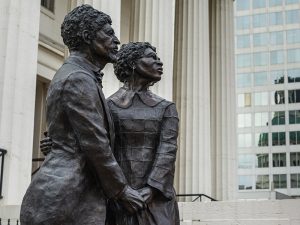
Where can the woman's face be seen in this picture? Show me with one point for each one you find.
(149, 66)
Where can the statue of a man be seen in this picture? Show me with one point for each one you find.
(80, 172)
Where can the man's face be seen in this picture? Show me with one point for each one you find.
(105, 44)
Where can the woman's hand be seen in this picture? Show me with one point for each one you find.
(147, 193)
(46, 144)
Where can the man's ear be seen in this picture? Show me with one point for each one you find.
(86, 36)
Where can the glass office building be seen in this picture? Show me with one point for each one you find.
(267, 38)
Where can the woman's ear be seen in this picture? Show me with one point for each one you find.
(86, 36)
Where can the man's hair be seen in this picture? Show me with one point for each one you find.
(127, 57)
(82, 18)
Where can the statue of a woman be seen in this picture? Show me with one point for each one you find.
(146, 129)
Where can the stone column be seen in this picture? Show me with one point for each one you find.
(153, 21)
(223, 122)
(192, 96)
(19, 26)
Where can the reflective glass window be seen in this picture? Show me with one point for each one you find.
(293, 36)
(262, 182)
(262, 160)
(259, 4)
(243, 41)
(295, 159)
(242, 5)
(277, 57)
(246, 161)
(48, 4)
(244, 100)
(260, 59)
(293, 55)
(244, 80)
(276, 38)
(278, 138)
(291, 1)
(278, 118)
(260, 78)
(260, 98)
(260, 20)
(244, 140)
(244, 120)
(260, 39)
(277, 76)
(279, 159)
(295, 180)
(261, 139)
(275, 18)
(294, 117)
(277, 97)
(275, 2)
(294, 96)
(279, 180)
(293, 75)
(292, 16)
(245, 182)
(261, 119)
(244, 60)
(242, 22)
(294, 137)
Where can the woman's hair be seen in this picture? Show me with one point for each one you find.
(82, 18)
(127, 57)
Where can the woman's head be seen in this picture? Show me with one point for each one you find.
(138, 59)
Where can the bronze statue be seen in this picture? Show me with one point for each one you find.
(80, 172)
(146, 129)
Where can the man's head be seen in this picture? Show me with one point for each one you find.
(87, 28)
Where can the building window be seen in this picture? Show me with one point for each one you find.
(277, 77)
(276, 38)
(279, 180)
(260, 20)
(242, 22)
(295, 138)
(295, 180)
(244, 60)
(294, 117)
(261, 119)
(244, 140)
(293, 36)
(261, 139)
(242, 5)
(244, 80)
(295, 159)
(260, 39)
(262, 182)
(275, 2)
(261, 98)
(293, 55)
(260, 78)
(278, 118)
(259, 4)
(292, 16)
(244, 100)
(48, 4)
(262, 160)
(294, 96)
(244, 120)
(245, 161)
(279, 159)
(278, 138)
(243, 41)
(245, 182)
(277, 57)
(293, 75)
(277, 97)
(291, 2)
(260, 59)
(275, 18)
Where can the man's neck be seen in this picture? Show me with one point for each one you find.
(88, 57)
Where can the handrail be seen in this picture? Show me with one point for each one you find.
(199, 196)
(2, 154)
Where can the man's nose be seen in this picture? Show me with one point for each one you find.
(159, 62)
(116, 40)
